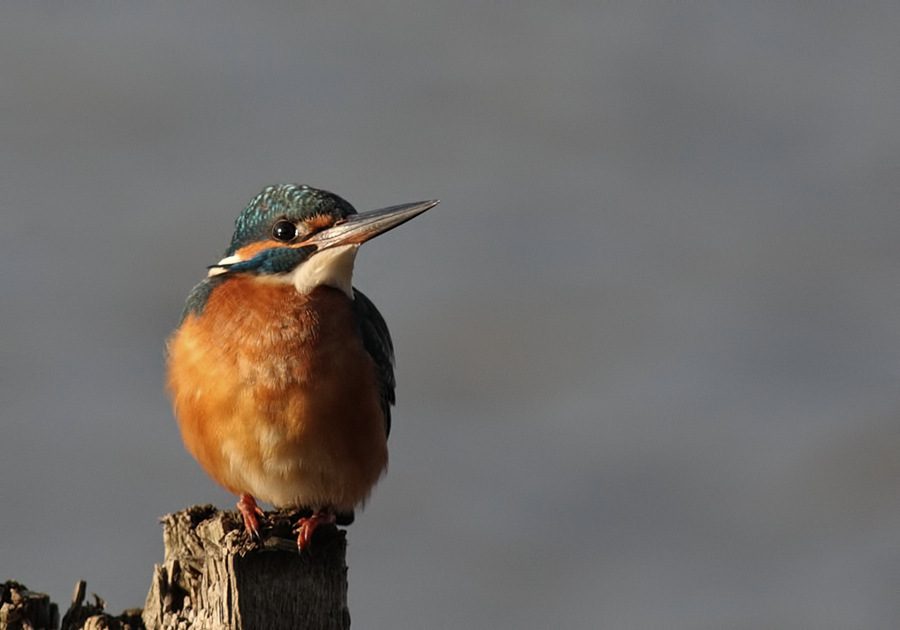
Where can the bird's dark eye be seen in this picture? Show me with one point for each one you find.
(284, 231)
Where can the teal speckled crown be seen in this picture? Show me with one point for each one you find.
(293, 202)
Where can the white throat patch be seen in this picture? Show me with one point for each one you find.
(332, 267)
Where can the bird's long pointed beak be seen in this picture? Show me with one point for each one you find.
(359, 228)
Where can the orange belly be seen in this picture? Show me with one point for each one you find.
(276, 396)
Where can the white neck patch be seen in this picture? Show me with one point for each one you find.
(332, 267)
(228, 260)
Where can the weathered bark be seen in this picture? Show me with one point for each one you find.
(21, 609)
(216, 577)
(82, 616)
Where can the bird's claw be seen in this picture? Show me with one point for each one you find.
(305, 527)
(249, 510)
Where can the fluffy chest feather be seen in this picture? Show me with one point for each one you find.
(276, 395)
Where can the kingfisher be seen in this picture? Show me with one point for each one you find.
(280, 371)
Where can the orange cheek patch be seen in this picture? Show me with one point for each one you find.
(318, 222)
(248, 252)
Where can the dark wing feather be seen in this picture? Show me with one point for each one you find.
(199, 296)
(377, 342)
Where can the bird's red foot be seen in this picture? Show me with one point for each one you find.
(305, 527)
(249, 510)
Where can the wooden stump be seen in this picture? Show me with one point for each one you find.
(87, 616)
(215, 577)
(22, 609)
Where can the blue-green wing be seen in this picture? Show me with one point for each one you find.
(196, 301)
(377, 342)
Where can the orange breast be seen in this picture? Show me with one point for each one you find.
(276, 397)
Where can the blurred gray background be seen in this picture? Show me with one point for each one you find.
(648, 345)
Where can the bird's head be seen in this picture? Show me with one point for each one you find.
(306, 237)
